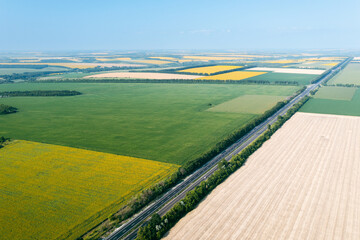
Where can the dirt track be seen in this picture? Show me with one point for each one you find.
(302, 184)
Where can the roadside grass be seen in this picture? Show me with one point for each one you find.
(45, 190)
(338, 107)
(350, 75)
(163, 122)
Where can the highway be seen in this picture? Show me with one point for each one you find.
(129, 229)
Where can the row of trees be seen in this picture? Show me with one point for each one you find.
(27, 76)
(6, 109)
(32, 66)
(158, 226)
(344, 85)
(39, 93)
(148, 195)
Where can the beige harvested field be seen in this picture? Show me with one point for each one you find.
(143, 75)
(304, 183)
(287, 70)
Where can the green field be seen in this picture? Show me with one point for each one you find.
(336, 93)
(163, 122)
(302, 79)
(55, 192)
(339, 107)
(254, 104)
(350, 75)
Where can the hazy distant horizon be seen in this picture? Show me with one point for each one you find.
(201, 25)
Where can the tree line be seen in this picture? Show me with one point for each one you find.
(39, 93)
(6, 109)
(158, 226)
(344, 85)
(182, 81)
(32, 66)
(146, 196)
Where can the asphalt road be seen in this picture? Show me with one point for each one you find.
(169, 199)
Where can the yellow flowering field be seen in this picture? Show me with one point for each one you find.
(210, 69)
(50, 191)
(237, 75)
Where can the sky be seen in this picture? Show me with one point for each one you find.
(58, 25)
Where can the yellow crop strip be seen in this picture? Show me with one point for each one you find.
(210, 69)
(43, 186)
(237, 75)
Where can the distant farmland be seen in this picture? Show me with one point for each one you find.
(8, 71)
(210, 69)
(49, 191)
(143, 75)
(74, 65)
(155, 62)
(288, 70)
(301, 184)
(237, 75)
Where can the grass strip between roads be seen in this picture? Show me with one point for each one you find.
(158, 226)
